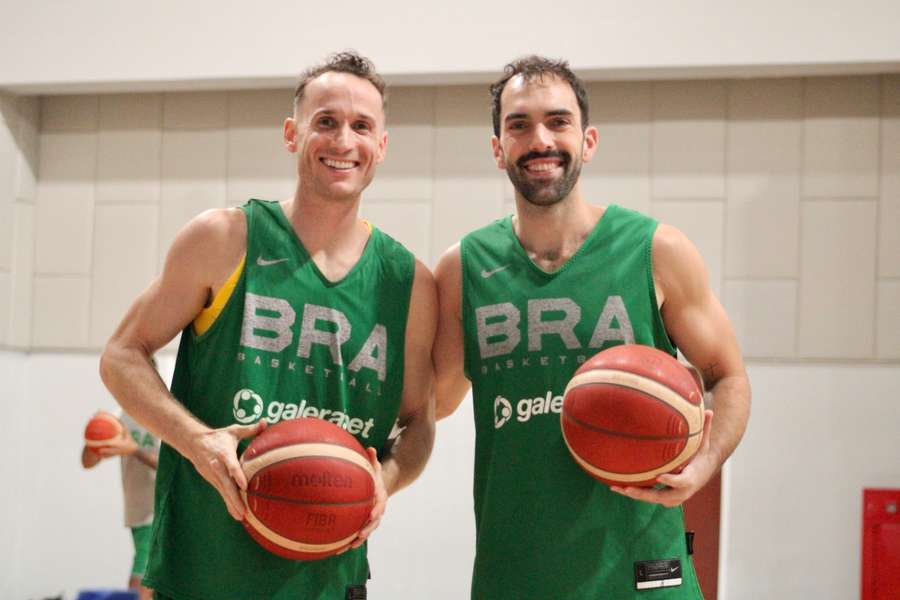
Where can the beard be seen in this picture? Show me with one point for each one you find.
(544, 193)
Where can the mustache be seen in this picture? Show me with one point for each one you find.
(565, 157)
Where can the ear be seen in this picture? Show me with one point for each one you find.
(290, 135)
(590, 144)
(499, 156)
(382, 149)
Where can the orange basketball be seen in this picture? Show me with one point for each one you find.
(632, 413)
(310, 488)
(100, 430)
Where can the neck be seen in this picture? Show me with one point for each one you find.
(552, 234)
(324, 223)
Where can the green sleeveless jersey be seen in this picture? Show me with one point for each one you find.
(545, 529)
(288, 343)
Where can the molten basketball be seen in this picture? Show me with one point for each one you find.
(632, 413)
(100, 430)
(310, 488)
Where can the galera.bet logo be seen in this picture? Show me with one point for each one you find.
(502, 411)
(248, 406)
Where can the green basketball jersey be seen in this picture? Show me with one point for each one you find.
(545, 529)
(288, 343)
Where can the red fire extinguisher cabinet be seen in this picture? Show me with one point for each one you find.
(881, 544)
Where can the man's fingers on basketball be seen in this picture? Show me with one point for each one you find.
(219, 477)
(232, 498)
(244, 431)
(237, 474)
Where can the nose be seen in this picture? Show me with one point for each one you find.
(342, 137)
(542, 138)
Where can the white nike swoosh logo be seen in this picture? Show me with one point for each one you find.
(265, 263)
(485, 273)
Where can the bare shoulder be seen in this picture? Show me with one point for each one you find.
(211, 243)
(678, 267)
(450, 264)
(423, 290)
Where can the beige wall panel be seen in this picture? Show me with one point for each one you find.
(27, 141)
(701, 222)
(840, 149)
(408, 170)
(258, 166)
(764, 315)
(129, 149)
(195, 110)
(69, 113)
(463, 132)
(193, 179)
(887, 324)
(68, 157)
(620, 170)
(837, 279)
(889, 207)
(460, 206)
(5, 307)
(128, 167)
(260, 108)
(688, 140)
(22, 276)
(125, 260)
(763, 156)
(9, 155)
(64, 220)
(60, 312)
(407, 222)
(468, 189)
(64, 203)
(128, 112)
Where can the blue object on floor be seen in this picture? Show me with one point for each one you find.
(107, 595)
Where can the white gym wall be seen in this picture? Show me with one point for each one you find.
(790, 187)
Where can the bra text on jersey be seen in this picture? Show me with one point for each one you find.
(269, 325)
(500, 325)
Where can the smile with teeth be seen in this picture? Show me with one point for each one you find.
(542, 167)
(338, 164)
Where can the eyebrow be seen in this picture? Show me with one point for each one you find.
(331, 112)
(559, 112)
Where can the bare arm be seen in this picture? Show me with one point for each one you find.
(410, 451)
(697, 323)
(89, 458)
(406, 458)
(151, 459)
(200, 260)
(451, 383)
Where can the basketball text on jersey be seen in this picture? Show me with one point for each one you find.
(249, 407)
(499, 328)
(268, 325)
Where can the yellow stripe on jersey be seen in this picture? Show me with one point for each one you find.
(208, 315)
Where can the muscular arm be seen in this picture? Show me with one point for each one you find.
(451, 383)
(410, 451)
(697, 323)
(202, 256)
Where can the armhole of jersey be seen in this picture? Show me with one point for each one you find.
(464, 307)
(659, 327)
(208, 315)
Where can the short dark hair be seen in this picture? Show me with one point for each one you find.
(536, 67)
(348, 61)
